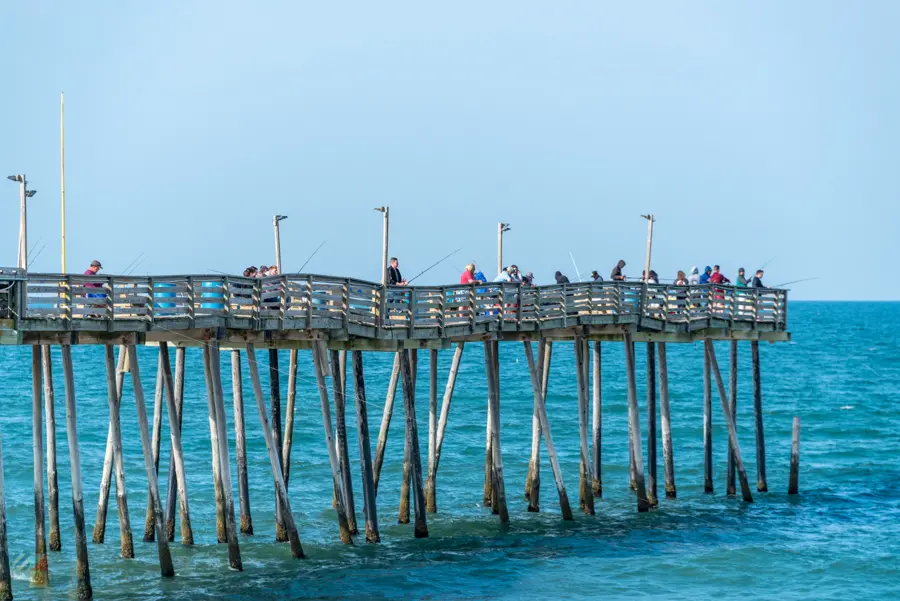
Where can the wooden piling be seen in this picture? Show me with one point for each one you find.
(412, 438)
(155, 443)
(112, 460)
(320, 362)
(221, 534)
(586, 497)
(761, 484)
(597, 423)
(545, 432)
(651, 425)
(365, 451)
(431, 481)
(487, 496)
(729, 422)
(707, 426)
(50, 422)
(41, 574)
(5, 574)
(632, 472)
(288, 418)
(403, 514)
(635, 426)
(82, 567)
(234, 553)
(165, 558)
(386, 419)
(432, 428)
(240, 441)
(114, 380)
(340, 417)
(275, 401)
(668, 457)
(732, 402)
(176, 463)
(187, 534)
(533, 478)
(274, 461)
(794, 479)
(497, 484)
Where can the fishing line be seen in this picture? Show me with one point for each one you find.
(433, 266)
(311, 256)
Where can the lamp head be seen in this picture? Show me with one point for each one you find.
(381, 209)
(280, 217)
(30, 193)
(14, 178)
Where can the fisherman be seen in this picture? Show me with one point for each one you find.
(393, 273)
(595, 277)
(503, 276)
(468, 276)
(757, 279)
(704, 279)
(560, 278)
(742, 281)
(514, 276)
(654, 278)
(617, 275)
(680, 280)
(695, 276)
(263, 270)
(528, 279)
(92, 270)
(718, 277)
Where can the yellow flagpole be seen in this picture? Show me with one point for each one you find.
(62, 165)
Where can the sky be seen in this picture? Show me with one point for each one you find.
(753, 131)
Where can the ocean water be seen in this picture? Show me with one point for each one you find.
(837, 539)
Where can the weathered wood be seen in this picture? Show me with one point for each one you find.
(637, 456)
(545, 432)
(651, 424)
(110, 460)
(597, 423)
(275, 401)
(187, 535)
(732, 402)
(668, 457)
(274, 462)
(412, 438)
(729, 422)
(586, 498)
(219, 493)
(432, 427)
(340, 417)
(761, 484)
(320, 362)
(40, 576)
(707, 425)
(50, 422)
(794, 478)
(176, 462)
(155, 442)
(495, 357)
(82, 567)
(487, 496)
(165, 558)
(431, 482)
(498, 487)
(234, 553)
(288, 418)
(632, 470)
(386, 419)
(533, 478)
(365, 452)
(114, 381)
(403, 514)
(5, 574)
(240, 441)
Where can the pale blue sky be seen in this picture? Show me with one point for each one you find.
(754, 130)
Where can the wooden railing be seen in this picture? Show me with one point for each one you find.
(309, 301)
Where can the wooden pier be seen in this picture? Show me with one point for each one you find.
(332, 316)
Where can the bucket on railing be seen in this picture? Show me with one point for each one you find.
(209, 305)
(157, 295)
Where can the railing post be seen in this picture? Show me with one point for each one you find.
(226, 298)
(345, 304)
(565, 305)
(441, 316)
(500, 308)
(309, 302)
(519, 306)
(190, 300)
(379, 310)
(411, 312)
(110, 302)
(537, 307)
(472, 308)
(151, 302)
(68, 310)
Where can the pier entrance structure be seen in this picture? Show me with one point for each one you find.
(333, 316)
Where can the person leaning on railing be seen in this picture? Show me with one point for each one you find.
(91, 271)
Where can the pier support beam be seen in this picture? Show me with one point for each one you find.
(729, 422)
(41, 574)
(533, 479)
(651, 425)
(187, 534)
(432, 428)
(498, 487)
(288, 441)
(707, 425)
(732, 402)
(177, 477)
(365, 450)
(761, 484)
(431, 483)
(794, 479)
(586, 497)
(340, 418)
(155, 441)
(597, 423)
(114, 381)
(275, 400)
(412, 443)
(50, 419)
(386, 419)
(5, 574)
(668, 457)
(82, 567)
(274, 461)
(634, 421)
(221, 532)
(403, 517)
(240, 442)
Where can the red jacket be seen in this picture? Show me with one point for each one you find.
(718, 278)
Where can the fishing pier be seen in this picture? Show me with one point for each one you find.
(340, 320)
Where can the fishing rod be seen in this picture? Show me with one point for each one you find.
(434, 265)
(127, 267)
(578, 273)
(794, 282)
(138, 264)
(30, 252)
(767, 262)
(34, 258)
(312, 255)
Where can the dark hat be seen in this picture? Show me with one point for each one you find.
(96, 263)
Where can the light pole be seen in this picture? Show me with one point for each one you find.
(386, 211)
(275, 221)
(501, 227)
(650, 220)
(24, 193)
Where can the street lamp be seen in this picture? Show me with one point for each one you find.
(650, 220)
(386, 211)
(501, 227)
(275, 221)
(24, 193)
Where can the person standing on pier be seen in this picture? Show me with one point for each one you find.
(595, 277)
(470, 277)
(704, 279)
(757, 279)
(718, 277)
(617, 275)
(560, 278)
(742, 280)
(393, 273)
(695, 276)
(680, 280)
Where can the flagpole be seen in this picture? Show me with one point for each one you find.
(62, 167)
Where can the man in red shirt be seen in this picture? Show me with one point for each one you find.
(717, 277)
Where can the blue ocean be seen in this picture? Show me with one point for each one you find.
(839, 538)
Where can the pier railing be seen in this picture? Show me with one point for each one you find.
(309, 301)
